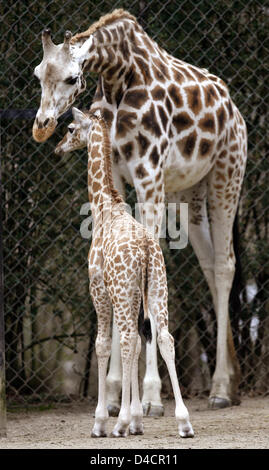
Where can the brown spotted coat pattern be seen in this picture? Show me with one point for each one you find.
(176, 135)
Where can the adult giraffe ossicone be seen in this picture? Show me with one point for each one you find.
(175, 133)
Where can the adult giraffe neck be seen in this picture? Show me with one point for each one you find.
(116, 50)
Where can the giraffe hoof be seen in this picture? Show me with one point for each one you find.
(136, 430)
(153, 410)
(146, 408)
(215, 403)
(119, 433)
(98, 434)
(113, 410)
(186, 432)
(156, 411)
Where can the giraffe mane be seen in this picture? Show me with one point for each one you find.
(107, 149)
(103, 21)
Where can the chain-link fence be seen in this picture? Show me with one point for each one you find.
(49, 319)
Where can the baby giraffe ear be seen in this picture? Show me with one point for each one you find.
(97, 113)
(77, 114)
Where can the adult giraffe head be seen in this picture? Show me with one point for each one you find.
(61, 80)
(61, 70)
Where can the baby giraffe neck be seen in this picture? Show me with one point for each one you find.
(102, 193)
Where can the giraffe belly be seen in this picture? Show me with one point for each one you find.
(177, 178)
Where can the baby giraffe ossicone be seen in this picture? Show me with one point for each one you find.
(125, 264)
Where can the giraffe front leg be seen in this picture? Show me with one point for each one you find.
(103, 347)
(225, 374)
(136, 425)
(220, 395)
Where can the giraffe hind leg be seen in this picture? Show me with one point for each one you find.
(166, 345)
(202, 243)
(158, 308)
(223, 201)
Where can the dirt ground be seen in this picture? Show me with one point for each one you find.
(69, 426)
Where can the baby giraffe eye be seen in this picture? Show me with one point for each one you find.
(71, 130)
(71, 80)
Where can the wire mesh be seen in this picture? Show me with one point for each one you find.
(50, 321)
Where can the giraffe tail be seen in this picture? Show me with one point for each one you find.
(144, 320)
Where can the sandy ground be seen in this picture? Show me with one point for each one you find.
(68, 427)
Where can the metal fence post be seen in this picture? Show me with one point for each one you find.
(3, 432)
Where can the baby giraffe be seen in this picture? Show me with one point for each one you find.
(125, 264)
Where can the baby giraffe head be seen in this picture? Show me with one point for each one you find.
(77, 134)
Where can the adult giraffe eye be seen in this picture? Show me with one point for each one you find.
(71, 80)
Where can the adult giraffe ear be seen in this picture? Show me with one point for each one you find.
(78, 115)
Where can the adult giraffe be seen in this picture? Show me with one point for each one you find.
(175, 133)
